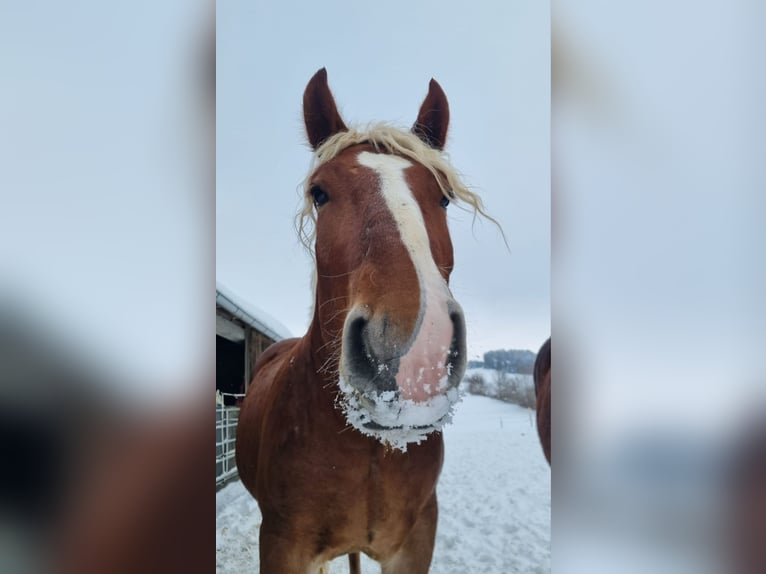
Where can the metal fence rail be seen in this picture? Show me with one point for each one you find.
(226, 418)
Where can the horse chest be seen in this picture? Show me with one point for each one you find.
(358, 496)
(382, 495)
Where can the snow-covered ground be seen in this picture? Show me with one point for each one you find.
(490, 377)
(494, 500)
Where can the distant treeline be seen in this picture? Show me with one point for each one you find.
(507, 361)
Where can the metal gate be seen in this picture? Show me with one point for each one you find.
(226, 418)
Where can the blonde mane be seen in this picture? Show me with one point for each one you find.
(388, 139)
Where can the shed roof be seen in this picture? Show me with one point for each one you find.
(251, 314)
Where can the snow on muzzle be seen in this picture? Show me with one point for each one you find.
(400, 391)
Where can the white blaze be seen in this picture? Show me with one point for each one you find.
(424, 369)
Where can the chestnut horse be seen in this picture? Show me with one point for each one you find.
(542, 378)
(339, 435)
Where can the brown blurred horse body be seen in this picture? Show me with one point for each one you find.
(326, 488)
(542, 378)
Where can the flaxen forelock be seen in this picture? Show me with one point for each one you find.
(388, 139)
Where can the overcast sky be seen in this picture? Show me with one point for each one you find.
(494, 65)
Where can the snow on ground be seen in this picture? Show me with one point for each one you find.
(490, 377)
(487, 374)
(494, 500)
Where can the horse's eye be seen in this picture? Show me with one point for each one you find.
(319, 195)
(444, 201)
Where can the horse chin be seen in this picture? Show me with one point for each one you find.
(392, 420)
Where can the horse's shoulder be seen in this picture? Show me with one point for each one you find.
(275, 353)
(264, 388)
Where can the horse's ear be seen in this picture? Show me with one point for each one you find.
(319, 111)
(433, 117)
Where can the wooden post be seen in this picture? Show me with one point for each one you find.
(248, 371)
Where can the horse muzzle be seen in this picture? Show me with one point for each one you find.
(398, 386)
(430, 361)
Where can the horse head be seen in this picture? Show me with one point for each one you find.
(394, 334)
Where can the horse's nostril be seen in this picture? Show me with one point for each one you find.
(357, 353)
(356, 329)
(364, 366)
(458, 327)
(457, 352)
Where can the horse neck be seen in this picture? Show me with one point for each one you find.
(318, 357)
(326, 328)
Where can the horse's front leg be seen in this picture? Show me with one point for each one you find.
(414, 557)
(284, 554)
